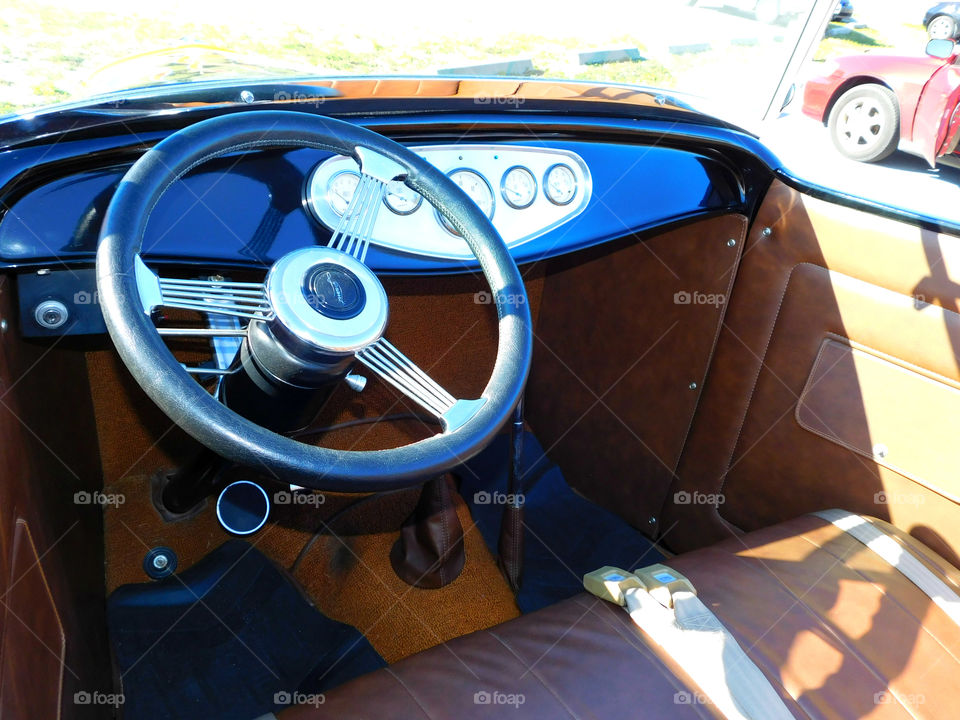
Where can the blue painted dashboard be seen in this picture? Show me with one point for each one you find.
(249, 210)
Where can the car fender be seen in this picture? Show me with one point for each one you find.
(851, 83)
(906, 76)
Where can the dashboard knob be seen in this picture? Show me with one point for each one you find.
(51, 314)
(356, 382)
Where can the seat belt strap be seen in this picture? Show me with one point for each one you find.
(896, 555)
(664, 604)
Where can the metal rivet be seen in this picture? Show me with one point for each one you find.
(693, 386)
(652, 520)
(880, 450)
(160, 562)
(767, 232)
(43, 271)
(731, 243)
(246, 96)
(4, 326)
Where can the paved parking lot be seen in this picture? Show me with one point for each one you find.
(902, 180)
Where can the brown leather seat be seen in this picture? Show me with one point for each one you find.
(838, 631)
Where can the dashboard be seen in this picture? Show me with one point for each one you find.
(547, 194)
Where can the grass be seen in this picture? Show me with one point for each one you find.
(853, 43)
(58, 50)
(862, 40)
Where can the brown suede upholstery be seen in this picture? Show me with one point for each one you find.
(837, 631)
(620, 358)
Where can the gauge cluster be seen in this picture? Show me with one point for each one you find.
(525, 191)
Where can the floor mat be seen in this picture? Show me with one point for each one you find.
(231, 637)
(566, 536)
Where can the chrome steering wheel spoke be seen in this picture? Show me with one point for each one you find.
(242, 300)
(353, 232)
(399, 371)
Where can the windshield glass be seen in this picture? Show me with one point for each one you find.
(731, 51)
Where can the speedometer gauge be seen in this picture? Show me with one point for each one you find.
(401, 199)
(518, 187)
(340, 190)
(560, 184)
(477, 189)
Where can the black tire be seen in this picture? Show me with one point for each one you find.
(865, 123)
(942, 27)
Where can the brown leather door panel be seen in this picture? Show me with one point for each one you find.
(821, 286)
(31, 675)
(897, 415)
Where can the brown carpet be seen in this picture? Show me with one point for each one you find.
(348, 574)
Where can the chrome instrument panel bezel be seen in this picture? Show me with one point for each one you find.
(421, 233)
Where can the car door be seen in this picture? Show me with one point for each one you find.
(835, 380)
(937, 102)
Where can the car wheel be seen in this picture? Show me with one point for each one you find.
(865, 123)
(942, 27)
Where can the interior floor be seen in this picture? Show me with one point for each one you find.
(346, 572)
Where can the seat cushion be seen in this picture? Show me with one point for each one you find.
(838, 631)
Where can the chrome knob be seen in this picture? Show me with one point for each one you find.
(356, 382)
(51, 314)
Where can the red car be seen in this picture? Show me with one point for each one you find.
(874, 104)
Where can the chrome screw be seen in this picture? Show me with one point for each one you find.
(731, 243)
(767, 232)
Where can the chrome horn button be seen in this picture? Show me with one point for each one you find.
(327, 301)
(334, 291)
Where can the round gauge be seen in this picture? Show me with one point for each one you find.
(560, 184)
(401, 199)
(477, 189)
(340, 189)
(518, 187)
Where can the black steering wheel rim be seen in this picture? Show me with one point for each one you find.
(230, 435)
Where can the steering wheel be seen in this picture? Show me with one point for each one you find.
(319, 307)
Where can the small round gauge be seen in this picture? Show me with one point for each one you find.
(560, 184)
(401, 199)
(340, 189)
(518, 187)
(477, 189)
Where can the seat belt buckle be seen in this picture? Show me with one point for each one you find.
(662, 582)
(609, 583)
